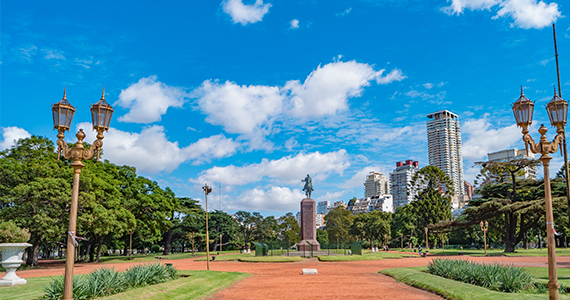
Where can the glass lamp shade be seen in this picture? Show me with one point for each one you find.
(62, 113)
(101, 113)
(523, 109)
(557, 110)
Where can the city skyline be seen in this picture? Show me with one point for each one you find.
(253, 95)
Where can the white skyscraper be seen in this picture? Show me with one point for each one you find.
(376, 184)
(444, 147)
(400, 180)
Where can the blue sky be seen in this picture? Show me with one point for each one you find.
(253, 95)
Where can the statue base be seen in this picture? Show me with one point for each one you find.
(304, 246)
(308, 226)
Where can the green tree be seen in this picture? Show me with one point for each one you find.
(221, 223)
(183, 208)
(35, 191)
(338, 222)
(289, 229)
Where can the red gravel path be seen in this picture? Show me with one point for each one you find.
(335, 280)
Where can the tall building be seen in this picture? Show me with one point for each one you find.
(322, 207)
(400, 180)
(376, 184)
(469, 190)
(510, 154)
(444, 147)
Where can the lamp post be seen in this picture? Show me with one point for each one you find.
(557, 110)
(485, 227)
(207, 189)
(63, 112)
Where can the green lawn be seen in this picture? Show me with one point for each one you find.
(198, 285)
(492, 252)
(452, 289)
(366, 256)
(270, 259)
(230, 257)
(252, 258)
(31, 290)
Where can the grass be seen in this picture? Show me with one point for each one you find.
(451, 289)
(198, 285)
(270, 259)
(31, 290)
(491, 252)
(230, 257)
(252, 258)
(366, 256)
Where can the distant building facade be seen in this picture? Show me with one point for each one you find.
(444, 147)
(511, 154)
(367, 204)
(469, 190)
(376, 184)
(322, 207)
(320, 221)
(400, 180)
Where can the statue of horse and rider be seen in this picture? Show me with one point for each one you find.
(308, 188)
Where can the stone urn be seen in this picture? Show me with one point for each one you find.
(11, 259)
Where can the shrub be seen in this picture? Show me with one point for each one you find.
(105, 282)
(503, 278)
(11, 233)
(155, 248)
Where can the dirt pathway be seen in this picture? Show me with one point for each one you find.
(335, 280)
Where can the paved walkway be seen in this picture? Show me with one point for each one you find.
(335, 280)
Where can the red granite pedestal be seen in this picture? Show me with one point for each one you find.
(308, 226)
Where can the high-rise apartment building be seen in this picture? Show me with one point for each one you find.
(376, 184)
(322, 207)
(511, 154)
(400, 180)
(444, 147)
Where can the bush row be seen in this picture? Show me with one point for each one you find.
(503, 278)
(105, 282)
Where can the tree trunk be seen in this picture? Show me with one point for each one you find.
(131, 246)
(101, 238)
(525, 240)
(168, 242)
(92, 249)
(510, 228)
(33, 254)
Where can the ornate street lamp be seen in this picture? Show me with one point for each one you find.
(63, 113)
(484, 228)
(557, 112)
(207, 189)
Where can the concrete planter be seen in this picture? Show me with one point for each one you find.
(11, 259)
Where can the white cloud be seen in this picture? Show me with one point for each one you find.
(243, 13)
(327, 89)
(251, 110)
(331, 197)
(344, 13)
(457, 6)
(289, 169)
(294, 23)
(525, 13)
(148, 99)
(428, 85)
(53, 54)
(482, 138)
(357, 179)
(150, 151)
(28, 52)
(433, 98)
(239, 109)
(273, 199)
(529, 14)
(10, 135)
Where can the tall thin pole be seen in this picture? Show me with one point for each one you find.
(70, 255)
(564, 147)
(427, 244)
(207, 190)
(552, 276)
